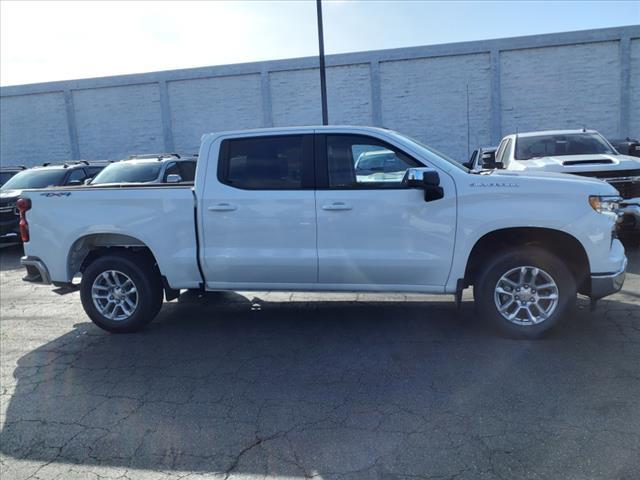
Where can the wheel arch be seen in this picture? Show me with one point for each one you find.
(557, 242)
(89, 247)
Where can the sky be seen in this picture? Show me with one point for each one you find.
(47, 41)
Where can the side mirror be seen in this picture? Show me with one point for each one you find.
(87, 181)
(174, 178)
(424, 179)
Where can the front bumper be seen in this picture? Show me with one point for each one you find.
(606, 284)
(37, 271)
(10, 230)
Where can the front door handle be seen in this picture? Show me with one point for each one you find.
(222, 207)
(335, 206)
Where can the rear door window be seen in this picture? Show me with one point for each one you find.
(266, 163)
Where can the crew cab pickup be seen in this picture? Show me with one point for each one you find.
(286, 209)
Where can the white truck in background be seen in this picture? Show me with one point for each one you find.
(578, 152)
(287, 209)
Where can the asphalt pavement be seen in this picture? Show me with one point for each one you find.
(290, 386)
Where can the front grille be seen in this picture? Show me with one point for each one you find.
(625, 181)
(610, 173)
(8, 216)
(627, 189)
(8, 212)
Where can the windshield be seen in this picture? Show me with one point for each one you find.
(560, 145)
(434, 155)
(37, 178)
(128, 172)
(5, 176)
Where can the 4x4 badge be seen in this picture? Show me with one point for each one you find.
(55, 194)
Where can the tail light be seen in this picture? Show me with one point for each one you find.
(23, 204)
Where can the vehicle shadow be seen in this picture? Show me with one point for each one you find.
(224, 384)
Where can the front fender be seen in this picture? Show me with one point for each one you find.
(494, 209)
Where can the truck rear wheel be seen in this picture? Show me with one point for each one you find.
(524, 292)
(121, 293)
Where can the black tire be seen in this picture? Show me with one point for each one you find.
(499, 265)
(146, 279)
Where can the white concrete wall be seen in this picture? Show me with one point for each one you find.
(566, 80)
(561, 87)
(117, 121)
(213, 104)
(427, 99)
(634, 91)
(33, 129)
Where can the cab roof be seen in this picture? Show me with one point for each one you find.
(298, 129)
(553, 132)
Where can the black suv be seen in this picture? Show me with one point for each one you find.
(48, 175)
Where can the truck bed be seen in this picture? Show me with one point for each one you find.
(158, 216)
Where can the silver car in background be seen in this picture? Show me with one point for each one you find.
(155, 168)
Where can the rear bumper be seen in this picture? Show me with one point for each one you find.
(37, 271)
(609, 283)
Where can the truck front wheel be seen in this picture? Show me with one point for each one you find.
(121, 293)
(525, 291)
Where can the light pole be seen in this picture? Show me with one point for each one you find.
(323, 76)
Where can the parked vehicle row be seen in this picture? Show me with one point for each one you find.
(330, 209)
(627, 146)
(71, 173)
(577, 152)
(162, 168)
(141, 169)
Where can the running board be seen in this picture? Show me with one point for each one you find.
(64, 288)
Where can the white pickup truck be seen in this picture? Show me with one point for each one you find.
(286, 209)
(578, 152)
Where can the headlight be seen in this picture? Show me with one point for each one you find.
(605, 204)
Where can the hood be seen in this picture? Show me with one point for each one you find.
(542, 175)
(578, 163)
(553, 180)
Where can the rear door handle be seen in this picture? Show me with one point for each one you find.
(335, 206)
(222, 207)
